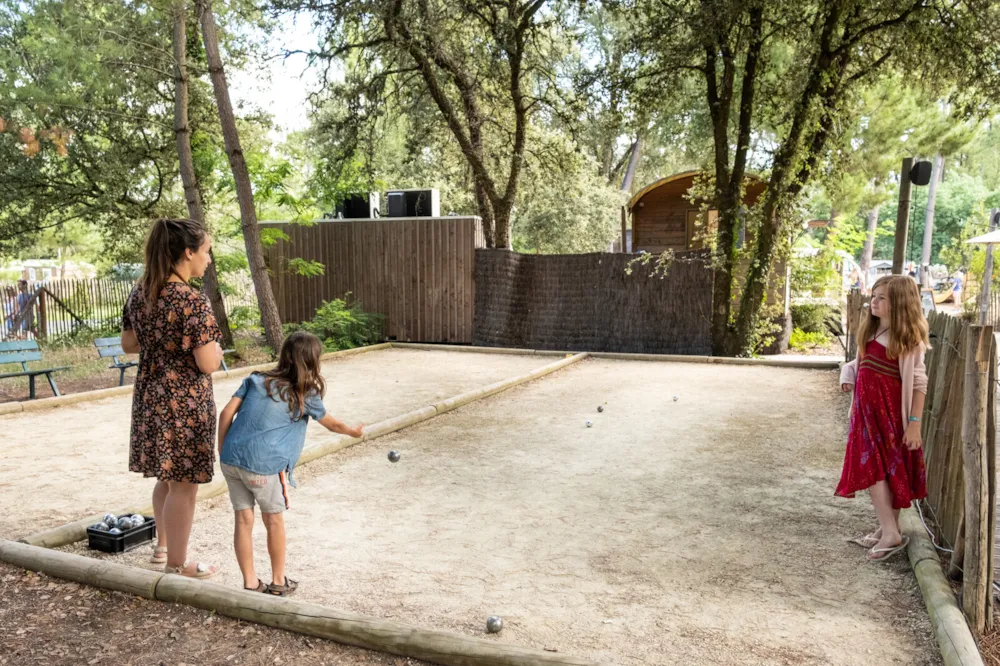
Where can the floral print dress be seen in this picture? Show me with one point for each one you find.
(173, 406)
(875, 448)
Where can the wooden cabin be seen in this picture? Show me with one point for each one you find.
(663, 218)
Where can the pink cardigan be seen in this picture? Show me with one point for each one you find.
(911, 368)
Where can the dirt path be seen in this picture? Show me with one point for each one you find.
(60, 465)
(702, 531)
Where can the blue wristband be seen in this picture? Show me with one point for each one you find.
(915, 419)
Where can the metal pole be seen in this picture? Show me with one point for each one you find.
(925, 256)
(902, 217)
(984, 292)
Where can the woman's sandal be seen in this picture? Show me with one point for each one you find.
(283, 590)
(261, 587)
(885, 553)
(201, 570)
(159, 555)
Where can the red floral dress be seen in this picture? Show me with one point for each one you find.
(875, 449)
(173, 405)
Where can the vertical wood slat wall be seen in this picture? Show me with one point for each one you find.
(417, 272)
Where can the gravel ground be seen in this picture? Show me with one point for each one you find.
(696, 531)
(73, 461)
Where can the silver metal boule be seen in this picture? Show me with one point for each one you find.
(125, 523)
(494, 623)
(676, 398)
(590, 424)
(114, 530)
(600, 408)
(101, 527)
(110, 519)
(394, 456)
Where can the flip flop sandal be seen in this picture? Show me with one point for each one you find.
(868, 541)
(201, 570)
(283, 590)
(159, 555)
(261, 587)
(886, 553)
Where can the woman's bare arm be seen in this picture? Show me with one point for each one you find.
(130, 343)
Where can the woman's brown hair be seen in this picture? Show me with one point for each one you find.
(907, 324)
(297, 373)
(164, 248)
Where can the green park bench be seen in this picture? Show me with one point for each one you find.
(112, 348)
(23, 351)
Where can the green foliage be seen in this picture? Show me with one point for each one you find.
(305, 268)
(812, 317)
(342, 326)
(801, 340)
(242, 317)
(271, 235)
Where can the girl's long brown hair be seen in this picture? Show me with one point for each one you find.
(907, 324)
(297, 373)
(164, 248)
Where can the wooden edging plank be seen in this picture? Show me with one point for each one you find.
(63, 535)
(955, 640)
(775, 361)
(398, 638)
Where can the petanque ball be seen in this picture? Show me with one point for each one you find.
(676, 398)
(114, 530)
(125, 523)
(494, 623)
(110, 519)
(394, 456)
(101, 527)
(138, 520)
(600, 408)
(590, 424)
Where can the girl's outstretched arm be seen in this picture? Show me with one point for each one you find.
(333, 424)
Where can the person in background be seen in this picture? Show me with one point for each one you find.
(957, 285)
(25, 304)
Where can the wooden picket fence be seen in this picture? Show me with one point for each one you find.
(60, 308)
(959, 436)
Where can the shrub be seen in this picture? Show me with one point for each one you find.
(342, 326)
(802, 340)
(815, 318)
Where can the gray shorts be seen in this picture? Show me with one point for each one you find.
(270, 492)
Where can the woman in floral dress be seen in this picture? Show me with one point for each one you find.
(173, 406)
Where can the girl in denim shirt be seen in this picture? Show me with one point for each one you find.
(261, 434)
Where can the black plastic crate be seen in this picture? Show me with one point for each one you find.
(124, 542)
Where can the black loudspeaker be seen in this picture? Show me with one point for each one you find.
(920, 173)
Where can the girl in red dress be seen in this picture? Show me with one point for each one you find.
(884, 452)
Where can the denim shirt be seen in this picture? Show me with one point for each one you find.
(264, 438)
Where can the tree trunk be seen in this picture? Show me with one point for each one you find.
(756, 281)
(188, 177)
(866, 254)
(501, 217)
(244, 192)
(485, 212)
(925, 257)
(633, 163)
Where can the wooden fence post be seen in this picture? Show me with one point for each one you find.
(43, 321)
(977, 583)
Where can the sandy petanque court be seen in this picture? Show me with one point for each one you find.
(701, 531)
(60, 465)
